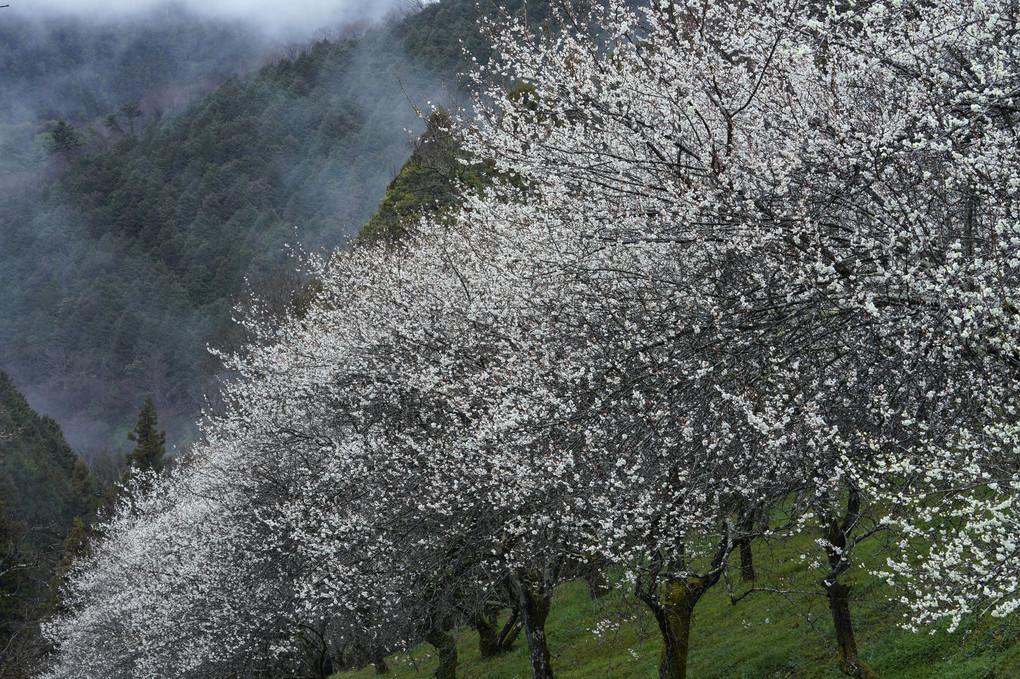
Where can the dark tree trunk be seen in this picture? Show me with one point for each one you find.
(446, 647)
(846, 646)
(747, 573)
(672, 603)
(534, 594)
(493, 640)
(673, 611)
(379, 661)
(838, 539)
(320, 661)
(488, 637)
(510, 630)
(325, 666)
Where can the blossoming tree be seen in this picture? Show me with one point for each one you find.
(739, 261)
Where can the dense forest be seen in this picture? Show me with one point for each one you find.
(44, 490)
(65, 67)
(44, 483)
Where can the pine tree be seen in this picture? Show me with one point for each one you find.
(19, 590)
(150, 442)
(76, 546)
(66, 140)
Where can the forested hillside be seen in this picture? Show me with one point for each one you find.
(44, 489)
(64, 67)
(151, 179)
(61, 67)
(690, 345)
(152, 227)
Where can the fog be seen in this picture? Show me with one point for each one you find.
(280, 20)
(91, 321)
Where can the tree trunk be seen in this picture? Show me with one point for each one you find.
(492, 640)
(846, 646)
(534, 599)
(324, 666)
(510, 630)
(446, 646)
(488, 637)
(673, 613)
(747, 573)
(838, 542)
(379, 661)
(673, 604)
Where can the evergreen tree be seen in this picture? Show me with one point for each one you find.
(15, 584)
(66, 140)
(20, 607)
(84, 495)
(150, 442)
(132, 111)
(112, 124)
(36, 468)
(75, 546)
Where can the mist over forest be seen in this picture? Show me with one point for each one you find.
(274, 20)
(68, 67)
(158, 166)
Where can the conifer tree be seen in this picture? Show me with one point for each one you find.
(132, 111)
(150, 441)
(66, 140)
(74, 548)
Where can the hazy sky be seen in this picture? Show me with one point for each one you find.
(276, 16)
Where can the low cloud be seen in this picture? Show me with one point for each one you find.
(277, 18)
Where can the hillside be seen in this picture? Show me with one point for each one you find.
(37, 469)
(690, 350)
(128, 233)
(763, 637)
(152, 227)
(64, 67)
(44, 489)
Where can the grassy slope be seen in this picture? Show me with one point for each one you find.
(764, 635)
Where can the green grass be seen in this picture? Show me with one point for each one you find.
(764, 635)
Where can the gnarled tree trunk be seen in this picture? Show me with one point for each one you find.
(534, 594)
(672, 603)
(488, 638)
(850, 662)
(379, 660)
(673, 614)
(493, 640)
(446, 647)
